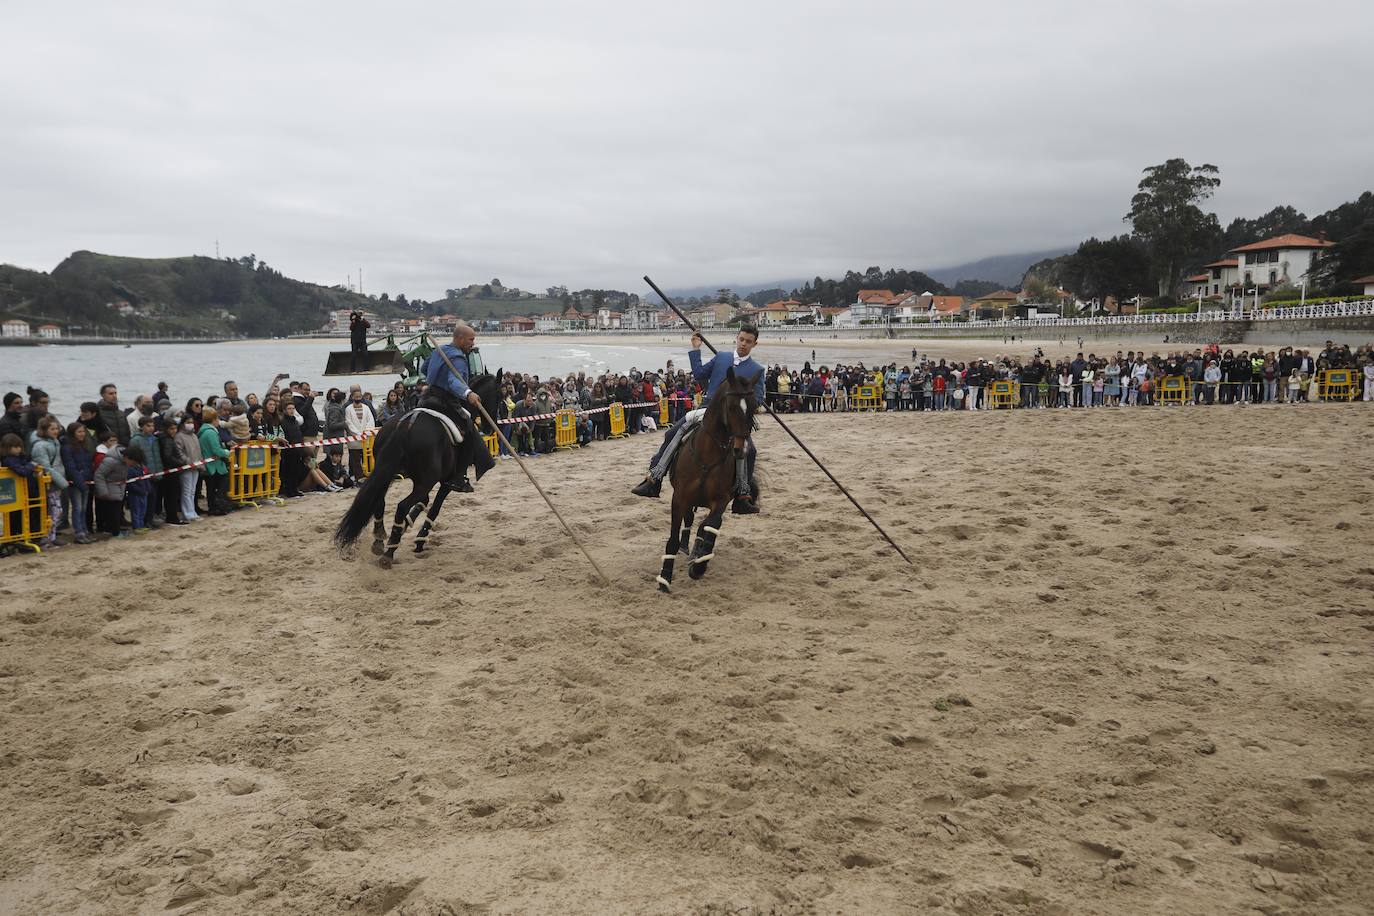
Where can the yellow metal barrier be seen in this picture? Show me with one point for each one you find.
(1173, 389)
(662, 411)
(1336, 384)
(617, 420)
(1003, 393)
(254, 473)
(565, 429)
(493, 445)
(23, 511)
(867, 397)
(369, 456)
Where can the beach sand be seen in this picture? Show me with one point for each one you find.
(1129, 673)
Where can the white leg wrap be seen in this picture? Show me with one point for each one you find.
(703, 559)
(664, 582)
(670, 556)
(715, 531)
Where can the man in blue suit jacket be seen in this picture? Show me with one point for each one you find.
(712, 375)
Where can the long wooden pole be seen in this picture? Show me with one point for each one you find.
(802, 445)
(504, 441)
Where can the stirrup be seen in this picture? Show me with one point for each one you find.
(744, 505)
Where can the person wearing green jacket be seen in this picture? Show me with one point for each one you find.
(217, 470)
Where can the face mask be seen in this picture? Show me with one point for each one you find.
(189, 427)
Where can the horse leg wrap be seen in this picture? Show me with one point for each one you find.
(706, 545)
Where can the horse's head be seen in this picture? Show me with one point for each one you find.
(738, 406)
(488, 388)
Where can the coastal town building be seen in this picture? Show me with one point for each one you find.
(517, 325)
(14, 328)
(1367, 282)
(50, 331)
(1284, 260)
(994, 305)
(640, 316)
(712, 315)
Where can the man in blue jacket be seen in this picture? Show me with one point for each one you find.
(447, 392)
(711, 375)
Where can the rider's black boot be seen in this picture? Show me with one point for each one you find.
(463, 485)
(648, 487)
(744, 505)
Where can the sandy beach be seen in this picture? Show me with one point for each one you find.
(1123, 677)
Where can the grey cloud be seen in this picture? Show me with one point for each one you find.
(588, 144)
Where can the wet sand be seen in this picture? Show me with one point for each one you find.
(1118, 680)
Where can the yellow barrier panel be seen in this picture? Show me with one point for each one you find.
(23, 511)
(696, 399)
(565, 429)
(369, 455)
(867, 397)
(493, 445)
(1173, 389)
(662, 411)
(617, 420)
(254, 473)
(1003, 393)
(1336, 384)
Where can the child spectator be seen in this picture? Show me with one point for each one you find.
(111, 481)
(188, 445)
(334, 468)
(78, 462)
(12, 459)
(216, 470)
(139, 493)
(239, 427)
(47, 454)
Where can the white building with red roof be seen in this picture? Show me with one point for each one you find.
(1278, 261)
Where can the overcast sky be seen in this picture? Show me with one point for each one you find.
(591, 143)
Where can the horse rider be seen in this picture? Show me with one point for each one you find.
(712, 375)
(446, 392)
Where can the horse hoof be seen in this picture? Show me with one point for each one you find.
(696, 570)
(377, 548)
(384, 561)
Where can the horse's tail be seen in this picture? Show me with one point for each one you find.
(372, 494)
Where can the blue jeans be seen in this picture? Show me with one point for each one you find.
(138, 506)
(78, 503)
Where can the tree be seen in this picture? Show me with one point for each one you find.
(1118, 267)
(1165, 216)
(727, 296)
(1279, 221)
(486, 291)
(1351, 257)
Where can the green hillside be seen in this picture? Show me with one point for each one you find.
(175, 295)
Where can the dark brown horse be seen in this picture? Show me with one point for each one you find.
(703, 473)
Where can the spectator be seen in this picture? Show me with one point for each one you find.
(111, 481)
(78, 463)
(111, 416)
(216, 469)
(188, 443)
(47, 454)
(13, 419)
(146, 490)
(169, 485)
(358, 418)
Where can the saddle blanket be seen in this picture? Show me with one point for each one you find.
(455, 435)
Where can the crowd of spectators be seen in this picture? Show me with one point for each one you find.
(119, 471)
(1210, 376)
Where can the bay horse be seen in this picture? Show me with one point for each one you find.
(703, 473)
(416, 445)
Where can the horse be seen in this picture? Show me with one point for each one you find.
(418, 446)
(703, 474)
